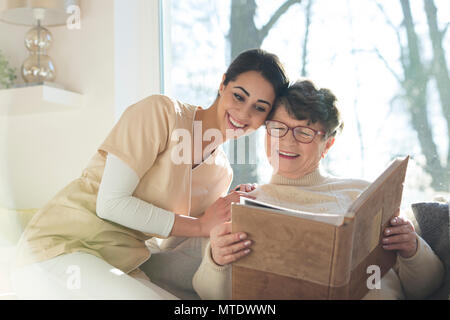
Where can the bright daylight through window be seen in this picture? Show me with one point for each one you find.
(360, 49)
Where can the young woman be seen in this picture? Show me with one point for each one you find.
(89, 241)
(303, 126)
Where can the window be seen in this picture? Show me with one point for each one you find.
(356, 48)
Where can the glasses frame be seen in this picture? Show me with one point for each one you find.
(316, 132)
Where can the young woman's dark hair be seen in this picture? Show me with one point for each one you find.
(261, 61)
(304, 101)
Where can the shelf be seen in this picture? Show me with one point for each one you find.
(38, 99)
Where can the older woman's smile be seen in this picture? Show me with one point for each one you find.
(288, 155)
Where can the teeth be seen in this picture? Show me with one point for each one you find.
(288, 154)
(236, 124)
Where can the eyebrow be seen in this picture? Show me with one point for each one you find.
(248, 95)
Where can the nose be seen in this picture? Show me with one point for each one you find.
(289, 137)
(246, 114)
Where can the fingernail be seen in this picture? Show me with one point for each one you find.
(242, 236)
(247, 243)
(388, 231)
(247, 251)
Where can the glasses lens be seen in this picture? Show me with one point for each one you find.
(276, 129)
(305, 135)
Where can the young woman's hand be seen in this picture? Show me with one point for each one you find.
(400, 236)
(227, 247)
(219, 212)
(247, 187)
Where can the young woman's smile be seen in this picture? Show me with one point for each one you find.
(235, 124)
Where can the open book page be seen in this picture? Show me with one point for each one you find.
(394, 173)
(333, 219)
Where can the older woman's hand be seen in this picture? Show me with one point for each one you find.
(227, 247)
(400, 236)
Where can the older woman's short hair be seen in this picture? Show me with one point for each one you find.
(304, 101)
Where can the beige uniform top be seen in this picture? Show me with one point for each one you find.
(142, 138)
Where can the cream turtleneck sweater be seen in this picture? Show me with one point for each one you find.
(416, 278)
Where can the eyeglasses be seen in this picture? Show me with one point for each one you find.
(278, 129)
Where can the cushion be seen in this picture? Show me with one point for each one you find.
(433, 219)
(12, 224)
(164, 267)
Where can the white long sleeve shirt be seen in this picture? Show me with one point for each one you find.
(116, 203)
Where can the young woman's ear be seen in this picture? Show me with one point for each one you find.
(222, 86)
(327, 147)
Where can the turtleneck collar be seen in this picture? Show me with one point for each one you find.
(313, 178)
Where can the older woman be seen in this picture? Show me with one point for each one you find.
(303, 126)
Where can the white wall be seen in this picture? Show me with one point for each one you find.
(113, 61)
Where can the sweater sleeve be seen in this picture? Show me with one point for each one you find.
(422, 273)
(116, 203)
(211, 281)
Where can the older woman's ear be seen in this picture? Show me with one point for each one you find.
(328, 145)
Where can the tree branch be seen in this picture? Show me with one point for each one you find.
(386, 17)
(397, 33)
(357, 89)
(281, 10)
(444, 31)
(305, 40)
(388, 114)
(214, 9)
(396, 76)
(378, 53)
